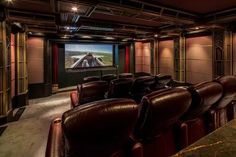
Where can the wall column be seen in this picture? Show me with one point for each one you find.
(5, 72)
(228, 53)
(21, 72)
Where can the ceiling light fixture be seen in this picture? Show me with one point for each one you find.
(156, 35)
(74, 9)
(109, 38)
(197, 28)
(86, 37)
(9, 1)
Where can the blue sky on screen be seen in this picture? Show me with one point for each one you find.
(105, 48)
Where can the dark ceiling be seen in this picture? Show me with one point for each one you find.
(196, 6)
(119, 19)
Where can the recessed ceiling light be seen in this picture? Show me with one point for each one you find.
(9, 1)
(156, 35)
(197, 28)
(74, 9)
(30, 33)
(86, 37)
(109, 38)
(65, 37)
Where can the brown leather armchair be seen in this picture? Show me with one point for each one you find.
(160, 111)
(219, 109)
(194, 123)
(109, 77)
(120, 88)
(126, 75)
(142, 86)
(97, 129)
(91, 79)
(88, 92)
(161, 81)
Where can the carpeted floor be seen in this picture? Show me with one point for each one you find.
(27, 137)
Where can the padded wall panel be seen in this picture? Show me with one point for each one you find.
(142, 57)
(35, 59)
(199, 59)
(234, 54)
(147, 57)
(138, 56)
(166, 57)
(13, 65)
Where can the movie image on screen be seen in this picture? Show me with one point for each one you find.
(88, 55)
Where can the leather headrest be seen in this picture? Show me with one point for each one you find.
(204, 95)
(91, 85)
(229, 90)
(125, 75)
(164, 79)
(92, 91)
(97, 125)
(160, 110)
(122, 81)
(108, 76)
(91, 78)
(144, 80)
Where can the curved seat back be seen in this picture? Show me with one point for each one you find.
(91, 79)
(91, 91)
(120, 88)
(159, 112)
(126, 75)
(109, 77)
(100, 128)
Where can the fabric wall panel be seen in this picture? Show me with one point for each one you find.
(199, 59)
(166, 57)
(234, 53)
(35, 59)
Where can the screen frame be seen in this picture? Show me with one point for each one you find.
(91, 68)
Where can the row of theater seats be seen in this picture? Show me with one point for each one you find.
(109, 77)
(163, 123)
(130, 87)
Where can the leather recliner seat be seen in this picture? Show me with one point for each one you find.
(219, 109)
(161, 81)
(109, 77)
(194, 123)
(140, 74)
(126, 75)
(142, 86)
(159, 112)
(98, 129)
(120, 88)
(88, 92)
(91, 79)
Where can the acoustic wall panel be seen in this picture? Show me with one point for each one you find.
(138, 56)
(13, 65)
(35, 59)
(166, 57)
(234, 54)
(142, 57)
(147, 57)
(199, 59)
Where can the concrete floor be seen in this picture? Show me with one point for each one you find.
(27, 137)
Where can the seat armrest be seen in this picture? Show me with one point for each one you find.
(74, 99)
(137, 150)
(55, 143)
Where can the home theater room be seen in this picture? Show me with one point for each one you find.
(117, 78)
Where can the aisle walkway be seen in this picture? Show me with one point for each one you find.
(27, 137)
